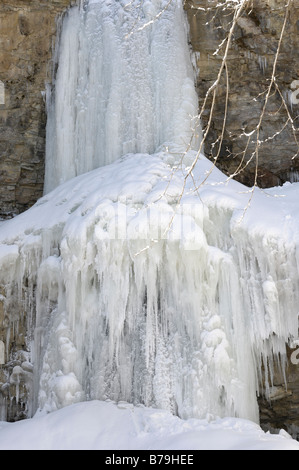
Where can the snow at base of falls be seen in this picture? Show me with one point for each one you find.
(142, 288)
(109, 426)
(124, 84)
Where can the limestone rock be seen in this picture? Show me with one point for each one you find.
(27, 34)
(249, 68)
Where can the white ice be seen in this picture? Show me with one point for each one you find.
(120, 87)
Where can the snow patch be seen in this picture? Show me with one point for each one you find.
(109, 426)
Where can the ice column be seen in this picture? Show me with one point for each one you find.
(124, 84)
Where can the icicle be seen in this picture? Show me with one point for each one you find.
(2, 353)
(263, 63)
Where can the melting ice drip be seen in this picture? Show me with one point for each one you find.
(136, 286)
(124, 84)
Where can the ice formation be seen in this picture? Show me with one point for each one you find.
(140, 283)
(127, 88)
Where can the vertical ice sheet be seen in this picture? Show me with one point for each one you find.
(124, 84)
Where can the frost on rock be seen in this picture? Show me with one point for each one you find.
(134, 282)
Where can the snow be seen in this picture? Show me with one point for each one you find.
(107, 426)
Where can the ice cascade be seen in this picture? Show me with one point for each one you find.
(138, 281)
(124, 84)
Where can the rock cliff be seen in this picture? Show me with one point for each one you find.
(27, 35)
(256, 41)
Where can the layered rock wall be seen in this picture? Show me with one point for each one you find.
(272, 150)
(27, 35)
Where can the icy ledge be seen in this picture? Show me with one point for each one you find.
(137, 288)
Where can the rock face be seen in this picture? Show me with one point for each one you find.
(281, 408)
(249, 67)
(27, 34)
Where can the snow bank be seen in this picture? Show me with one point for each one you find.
(108, 426)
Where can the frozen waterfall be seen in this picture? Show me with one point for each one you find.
(134, 281)
(124, 84)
